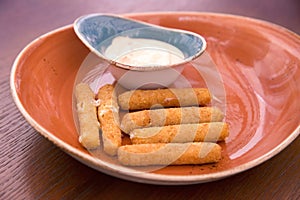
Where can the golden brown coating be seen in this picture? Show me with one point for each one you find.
(145, 99)
(108, 114)
(169, 154)
(87, 116)
(170, 116)
(203, 132)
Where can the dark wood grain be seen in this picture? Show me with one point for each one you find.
(33, 168)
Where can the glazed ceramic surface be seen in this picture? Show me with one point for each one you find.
(114, 37)
(259, 65)
(98, 32)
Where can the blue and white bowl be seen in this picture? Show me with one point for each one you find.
(118, 40)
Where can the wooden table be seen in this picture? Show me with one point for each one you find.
(33, 168)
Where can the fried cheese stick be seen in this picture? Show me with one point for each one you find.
(145, 99)
(108, 114)
(203, 132)
(169, 154)
(170, 116)
(87, 116)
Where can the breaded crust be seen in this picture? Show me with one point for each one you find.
(108, 114)
(170, 116)
(203, 132)
(87, 116)
(169, 154)
(145, 99)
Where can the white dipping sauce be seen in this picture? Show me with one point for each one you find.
(149, 57)
(143, 52)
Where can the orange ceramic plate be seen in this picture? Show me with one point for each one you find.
(259, 64)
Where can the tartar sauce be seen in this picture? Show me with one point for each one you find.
(143, 52)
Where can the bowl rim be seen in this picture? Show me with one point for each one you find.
(130, 174)
(133, 67)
